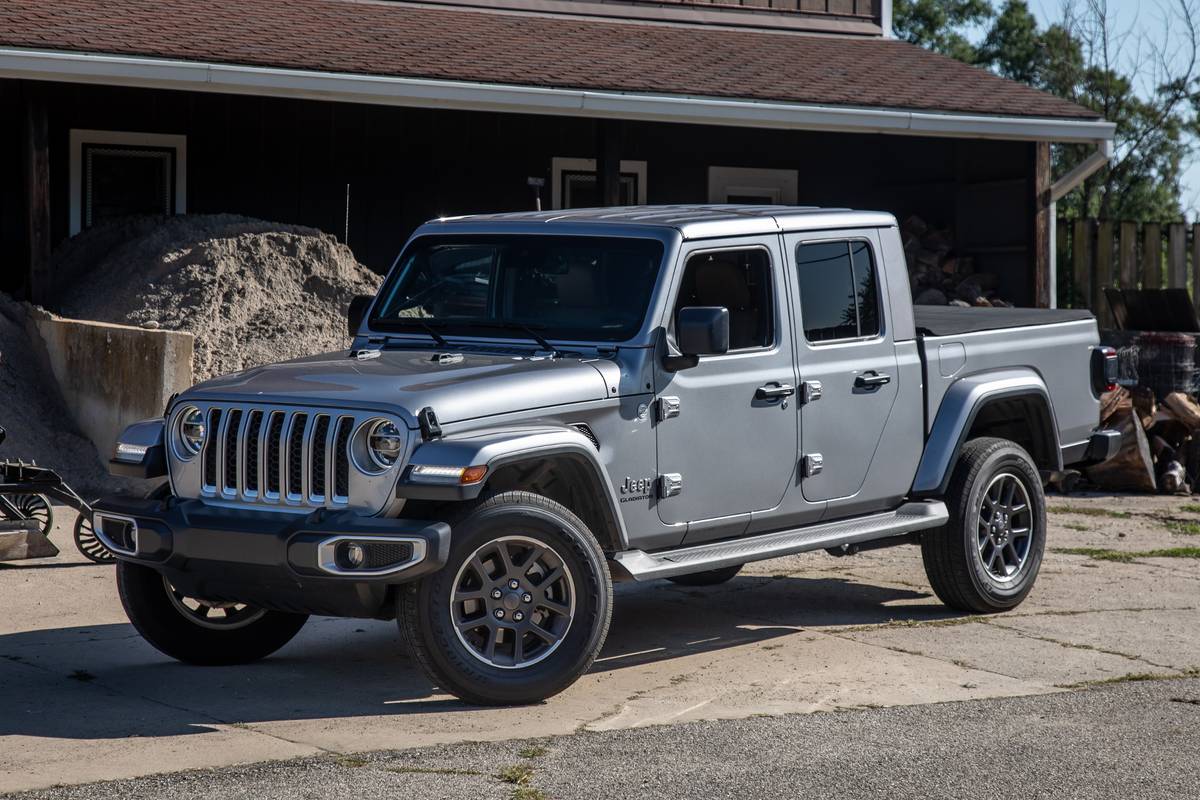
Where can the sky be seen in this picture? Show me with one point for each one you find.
(1131, 19)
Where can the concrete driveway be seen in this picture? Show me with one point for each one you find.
(82, 698)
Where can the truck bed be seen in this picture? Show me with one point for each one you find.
(956, 321)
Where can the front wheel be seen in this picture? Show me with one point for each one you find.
(521, 608)
(986, 558)
(200, 631)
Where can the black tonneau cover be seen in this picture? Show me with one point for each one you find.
(955, 320)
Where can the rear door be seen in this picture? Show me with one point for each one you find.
(845, 356)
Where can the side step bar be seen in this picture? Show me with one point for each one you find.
(643, 566)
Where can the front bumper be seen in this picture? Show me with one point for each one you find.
(280, 561)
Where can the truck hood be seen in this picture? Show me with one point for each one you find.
(405, 381)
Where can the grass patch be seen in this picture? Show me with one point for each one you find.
(1133, 677)
(1191, 508)
(1126, 556)
(533, 751)
(431, 771)
(517, 774)
(1183, 527)
(1089, 511)
(527, 793)
(1075, 526)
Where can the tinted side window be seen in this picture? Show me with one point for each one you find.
(739, 280)
(839, 295)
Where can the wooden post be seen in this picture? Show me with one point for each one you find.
(1152, 256)
(608, 161)
(1081, 254)
(1128, 246)
(37, 193)
(1196, 265)
(1177, 256)
(1041, 225)
(1062, 245)
(1103, 274)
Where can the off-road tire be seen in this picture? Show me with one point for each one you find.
(710, 577)
(424, 607)
(951, 554)
(160, 623)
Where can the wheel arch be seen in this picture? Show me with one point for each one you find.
(558, 462)
(1014, 405)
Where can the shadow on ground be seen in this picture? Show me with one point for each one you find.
(106, 682)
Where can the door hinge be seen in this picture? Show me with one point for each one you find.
(813, 464)
(670, 484)
(811, 392)
(668, 407)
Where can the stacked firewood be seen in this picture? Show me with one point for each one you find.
(940, 276)
(1160, 450)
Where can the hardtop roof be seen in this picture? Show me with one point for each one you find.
(692, 221)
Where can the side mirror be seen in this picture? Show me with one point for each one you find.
(359, 306)
(699, 331)
(703, 330)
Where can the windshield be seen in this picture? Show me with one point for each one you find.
(579, 288)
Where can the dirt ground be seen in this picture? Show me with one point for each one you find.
(85, 699)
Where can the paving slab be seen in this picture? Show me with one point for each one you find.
(86, 699)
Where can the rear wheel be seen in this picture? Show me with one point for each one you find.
(987, 556)
(710, 577)
(200, 631)
(521, 608)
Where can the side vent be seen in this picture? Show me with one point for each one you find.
(587, 431)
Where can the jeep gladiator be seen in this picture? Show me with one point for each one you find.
(537, 404)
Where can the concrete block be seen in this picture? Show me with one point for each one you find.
(113, 375)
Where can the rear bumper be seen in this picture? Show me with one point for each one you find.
(1103, 445)
(286, 562)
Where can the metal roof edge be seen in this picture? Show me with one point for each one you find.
(160, 73)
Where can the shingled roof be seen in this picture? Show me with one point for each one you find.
(395, 39)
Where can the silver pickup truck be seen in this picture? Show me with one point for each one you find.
(538, 404)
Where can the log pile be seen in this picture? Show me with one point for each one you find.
(1160, 448)
(939, 275)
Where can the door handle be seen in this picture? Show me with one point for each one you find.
(872, 380)
(774, 391)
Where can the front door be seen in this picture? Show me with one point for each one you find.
(845, 355)
(733, 439)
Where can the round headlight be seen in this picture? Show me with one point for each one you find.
(191, 430)
(385, 443)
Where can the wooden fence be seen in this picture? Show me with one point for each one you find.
(1095, 254)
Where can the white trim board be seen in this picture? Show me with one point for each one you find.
(19, 63)
(81, 136)
(781, 185)
(559, 165)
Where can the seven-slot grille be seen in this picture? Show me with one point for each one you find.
(274, 455)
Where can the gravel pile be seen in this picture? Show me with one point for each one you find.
(252, 292)
(32, 411)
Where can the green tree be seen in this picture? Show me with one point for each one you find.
(1082, 59)
(939, 24)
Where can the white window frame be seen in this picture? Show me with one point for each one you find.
(781, 184)
(559, 165)
(80, 136)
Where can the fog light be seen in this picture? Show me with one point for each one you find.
(355, 555)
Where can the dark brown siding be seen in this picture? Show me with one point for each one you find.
(290, 161)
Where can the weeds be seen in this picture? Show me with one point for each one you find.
(517, 774)
(533, 751)
(1075, 526)
(431, 771)
(1191, 508)
(1126, 556)
(1184, 527)
(1089, 511)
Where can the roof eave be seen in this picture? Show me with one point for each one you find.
(159, 73)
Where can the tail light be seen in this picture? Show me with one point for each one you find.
(1104, 369)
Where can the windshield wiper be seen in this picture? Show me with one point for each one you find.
(529, 330)
(424, 324)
